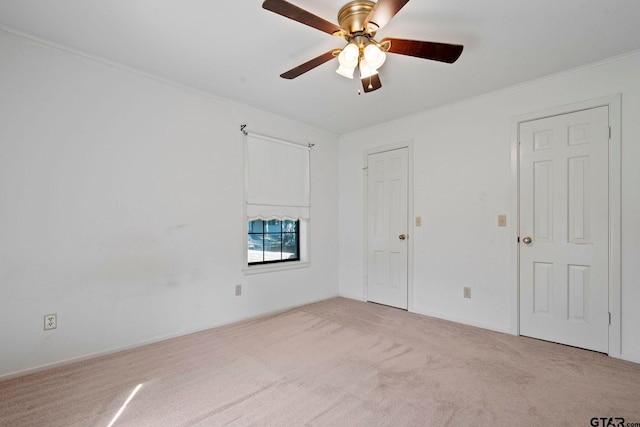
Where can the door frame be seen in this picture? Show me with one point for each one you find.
(614, 103)
(365, 217)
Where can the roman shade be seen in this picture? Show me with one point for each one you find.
(277, 178)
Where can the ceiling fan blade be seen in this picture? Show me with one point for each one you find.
(369, 84)
(288, 10)
(442, 52)
(384, 10)
(307, 66)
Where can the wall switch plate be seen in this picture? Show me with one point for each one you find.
(502, 220)
(50, 321)
(238, 290)
(467, 292)
(418, 221)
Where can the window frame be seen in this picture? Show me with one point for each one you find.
(264, 233)
(304, 232)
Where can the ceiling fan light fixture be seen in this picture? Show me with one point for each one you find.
(359, 22)
(374, 55)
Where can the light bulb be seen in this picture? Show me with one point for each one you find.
(374, 55)
(366, 70)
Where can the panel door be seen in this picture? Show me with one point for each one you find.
(387, 188)
(564, 229)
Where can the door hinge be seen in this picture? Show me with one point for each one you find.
(609, 318)
(609, 132)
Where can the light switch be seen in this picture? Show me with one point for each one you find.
(418, 221)
(502, 220)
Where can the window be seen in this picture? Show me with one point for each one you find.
(277, 197)
(273, 241)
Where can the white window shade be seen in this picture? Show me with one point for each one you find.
(277, 178)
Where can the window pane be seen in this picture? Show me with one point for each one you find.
(255, 226)
(255, 244)
(255, 241)
(272, 247)
(272, 226)
(289, 226)
(290, 246)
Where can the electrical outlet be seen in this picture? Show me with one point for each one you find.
(502, 220)
(50, 321)
(467, 292)
(418, 221)
(238, 290)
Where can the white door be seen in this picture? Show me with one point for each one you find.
(387, 198)
(564, 229)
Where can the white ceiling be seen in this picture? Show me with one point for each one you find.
(237, 50)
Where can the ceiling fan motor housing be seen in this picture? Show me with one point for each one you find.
(353, 15)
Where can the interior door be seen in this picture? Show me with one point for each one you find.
(564, 229)
(387, 208)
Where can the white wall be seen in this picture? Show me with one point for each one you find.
(121, 205)
(121, 209)
(462, 181)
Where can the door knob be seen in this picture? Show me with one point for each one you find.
(527, 240)
(402, 237)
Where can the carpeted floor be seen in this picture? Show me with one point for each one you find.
(334, 363)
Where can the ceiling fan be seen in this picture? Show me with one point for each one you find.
(359, 21)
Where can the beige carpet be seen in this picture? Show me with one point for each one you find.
(333, 363)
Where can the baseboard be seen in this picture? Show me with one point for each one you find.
(350, 296)
(106, 352)
(629, 358)
(626, 357)
(463, 321)
(444, 317)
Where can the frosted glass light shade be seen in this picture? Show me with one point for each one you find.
(349, 55)
(348, 60)
(374, 55)
(345, 72)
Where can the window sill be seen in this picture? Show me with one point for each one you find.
(258, 269)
